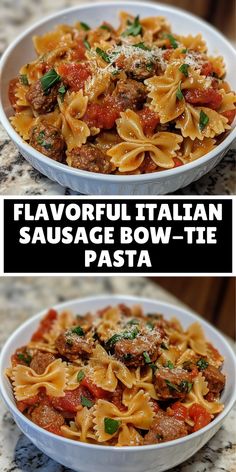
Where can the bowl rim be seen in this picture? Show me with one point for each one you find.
(110, 178)
(113, 298)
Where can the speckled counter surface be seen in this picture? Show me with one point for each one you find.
(23, 297)
(17, 177)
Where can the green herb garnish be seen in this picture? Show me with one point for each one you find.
(202, 364)
(171, 385)
(185, 386)
(26, 358)
(62, 90)
(133, 322)
(153, 367)
(127, 357)
(49, 79)
(134, 29)
(150, 66)
(203, 120)
(78, 330)
(125, 335)
(84, 26)
(111, 426)
(146, 357)
(170, 365)
(105, 27)
(42, 142)
(184, 51)
(86, 402)
(150, 325)
(184, 69)
(24, 79)
(172, 40)
(142, 46)
(179, 94)
(80, 375)
(103, 55)
(87, 45)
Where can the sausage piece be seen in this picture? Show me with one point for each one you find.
(165, 428)
(47, 417)
(48, 140)
(71, 345)
(137, 66)
(40, 361)
(136, 352)
(40, 101)
(89, 158)
(215, 379)
(130, 94)
(172, 383)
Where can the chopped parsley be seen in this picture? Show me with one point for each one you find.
(203, 120)
(184, 51)
(170, 365)
(185, 386)
(49, 79)
(172, 40)
(202, 364)
(62, 90)
(127, 357)
(80, 375)
(132, 322)
(150, 325)
(105, 27)
(142, 46)
(179, 94)
(125, 335)
(171, 385)
(184, 69)
(103, 55)
(42, 142)
(134, 28)
(146, 357)
(84, 26)
(24, 79)
(26, 358)
(111, 426)
(153, 367)
(86, 402)
(78, 330)
(87, 45)
(150, 66)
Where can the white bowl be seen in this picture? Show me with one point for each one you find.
(83, 457)
(167, 181)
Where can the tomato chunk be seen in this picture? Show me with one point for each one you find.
(207, 69)
(209, 97)
(230, 115)
(45, 325)
(149, 120)
(22, 405)
(102, 115)
(70, 402)
(78, 53)
(96, 391)
(200, 416)
(179, 411)
(177, 162)
(74, 75)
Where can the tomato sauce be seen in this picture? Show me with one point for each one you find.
(209, 97)
(45, 325)
(74, 75)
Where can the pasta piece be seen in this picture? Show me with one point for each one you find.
(143, 382)
(27, 383)
(109, 323)
(228, 101)
(139, 414)
(192, 150)
(23, 121)
(43, 346)
(197, 394)
(189, 123)
(74, 130)
(218, 65)
(196, 339)
(163, 91)
(195, 43)
(129, 155)
(129, 436)
(107, 371)
(63, 322)
(72, 376)
(52, 40)
(82, 428)
(20, 94)
(97, 86)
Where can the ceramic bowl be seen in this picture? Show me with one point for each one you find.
(83, 457)
(89, 183)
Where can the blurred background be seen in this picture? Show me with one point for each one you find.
(220, 13)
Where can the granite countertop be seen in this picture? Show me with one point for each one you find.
(17, 177)
(21, 298)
